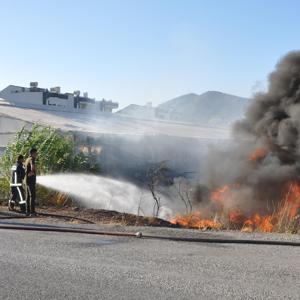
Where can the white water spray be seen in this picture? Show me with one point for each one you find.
(105, 193)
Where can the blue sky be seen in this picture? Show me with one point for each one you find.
(135, 51)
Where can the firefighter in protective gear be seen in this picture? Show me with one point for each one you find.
(30, 181)
(17, 191)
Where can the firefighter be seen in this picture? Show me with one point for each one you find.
(30, 181)
(17, 191)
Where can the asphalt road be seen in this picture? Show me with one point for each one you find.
(37, 265)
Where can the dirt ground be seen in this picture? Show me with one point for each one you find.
(77, 215)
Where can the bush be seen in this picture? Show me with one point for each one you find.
(56, 154)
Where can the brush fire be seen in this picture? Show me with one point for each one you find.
(254, 185)
(285, 214)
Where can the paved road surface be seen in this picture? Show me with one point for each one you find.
(37, 265)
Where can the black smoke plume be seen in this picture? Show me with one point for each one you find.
(270, 130)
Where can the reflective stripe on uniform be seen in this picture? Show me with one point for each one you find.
(21, 196)
(15, 184)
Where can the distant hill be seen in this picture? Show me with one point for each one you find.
(139, 111)
(210, 109)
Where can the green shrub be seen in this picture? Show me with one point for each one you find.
(56, 154)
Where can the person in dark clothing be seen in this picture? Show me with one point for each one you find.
(30, 181)
(17, 191)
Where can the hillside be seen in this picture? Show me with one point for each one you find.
(138, 111)
(213, 109)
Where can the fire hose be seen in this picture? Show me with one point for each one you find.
(22, 216)
(145, 236)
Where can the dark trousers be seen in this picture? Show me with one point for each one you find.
(30, 198)
(15, 194)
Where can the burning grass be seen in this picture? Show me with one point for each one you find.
(226, 207)
(284, 218)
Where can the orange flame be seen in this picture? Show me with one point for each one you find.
(291, 201)
(219, 194)
(259, 223)
(258, 154)
(195, 221)
(287, 211)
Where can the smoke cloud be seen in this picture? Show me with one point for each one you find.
(266, 148)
